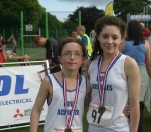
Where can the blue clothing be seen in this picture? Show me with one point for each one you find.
(85, 42)
(137, 52)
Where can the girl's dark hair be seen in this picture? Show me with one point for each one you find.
(66, 40)
(100, 24)
(135, 32)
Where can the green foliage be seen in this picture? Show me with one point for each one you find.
(10, 12)
(88, 16)
(35, 14)
(69, 24)
(135, 7)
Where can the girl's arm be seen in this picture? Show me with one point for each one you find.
(134, 84)
(45, 92)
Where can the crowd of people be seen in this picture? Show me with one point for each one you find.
(111, 79)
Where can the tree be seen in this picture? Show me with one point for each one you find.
(88, 17)
(10, 12)
(69, 26)
(135, 7)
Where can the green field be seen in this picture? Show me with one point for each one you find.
(34, 53)
(147, 124)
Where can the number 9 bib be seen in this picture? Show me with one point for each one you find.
(98, 118)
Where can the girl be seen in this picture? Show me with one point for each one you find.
(65, 91)
(115, 80)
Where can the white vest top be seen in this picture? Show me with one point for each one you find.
(116, 94)
(56, 116)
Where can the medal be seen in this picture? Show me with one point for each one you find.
(102, 82)
(68, 129)
(70, 117)
(101, 109)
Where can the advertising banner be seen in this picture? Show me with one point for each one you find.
(18, 90)
(140, 17)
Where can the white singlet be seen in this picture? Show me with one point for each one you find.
(56, 117)
(116, 95)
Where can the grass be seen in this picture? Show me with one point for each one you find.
(147, 123)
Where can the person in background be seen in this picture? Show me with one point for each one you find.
(134, 44)
(51, 46)
(88, 46)
(75, 35)
(65, 91)
(114, 79)
(2, 49)
(14, 45)
(85, 39)
(149, 38)
(145, 31)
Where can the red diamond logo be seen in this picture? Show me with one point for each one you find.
(18, 114)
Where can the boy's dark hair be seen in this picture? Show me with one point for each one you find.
(66, 40)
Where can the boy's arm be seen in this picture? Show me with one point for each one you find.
(43, 94)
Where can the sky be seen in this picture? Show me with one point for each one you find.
(62, 8)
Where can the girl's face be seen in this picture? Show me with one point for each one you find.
(110, 39)
(71, 56)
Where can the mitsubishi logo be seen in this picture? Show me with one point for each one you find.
(18, 114)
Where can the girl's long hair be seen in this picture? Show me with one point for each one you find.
(100, 24)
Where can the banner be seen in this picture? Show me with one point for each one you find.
(140, 17)
(109, 9)
(18, 90)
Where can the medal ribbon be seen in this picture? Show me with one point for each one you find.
(103, 83)
(69, 118)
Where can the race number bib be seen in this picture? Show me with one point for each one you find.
(61, 129)
(99, 119)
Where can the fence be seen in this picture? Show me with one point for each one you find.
(29, 48)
